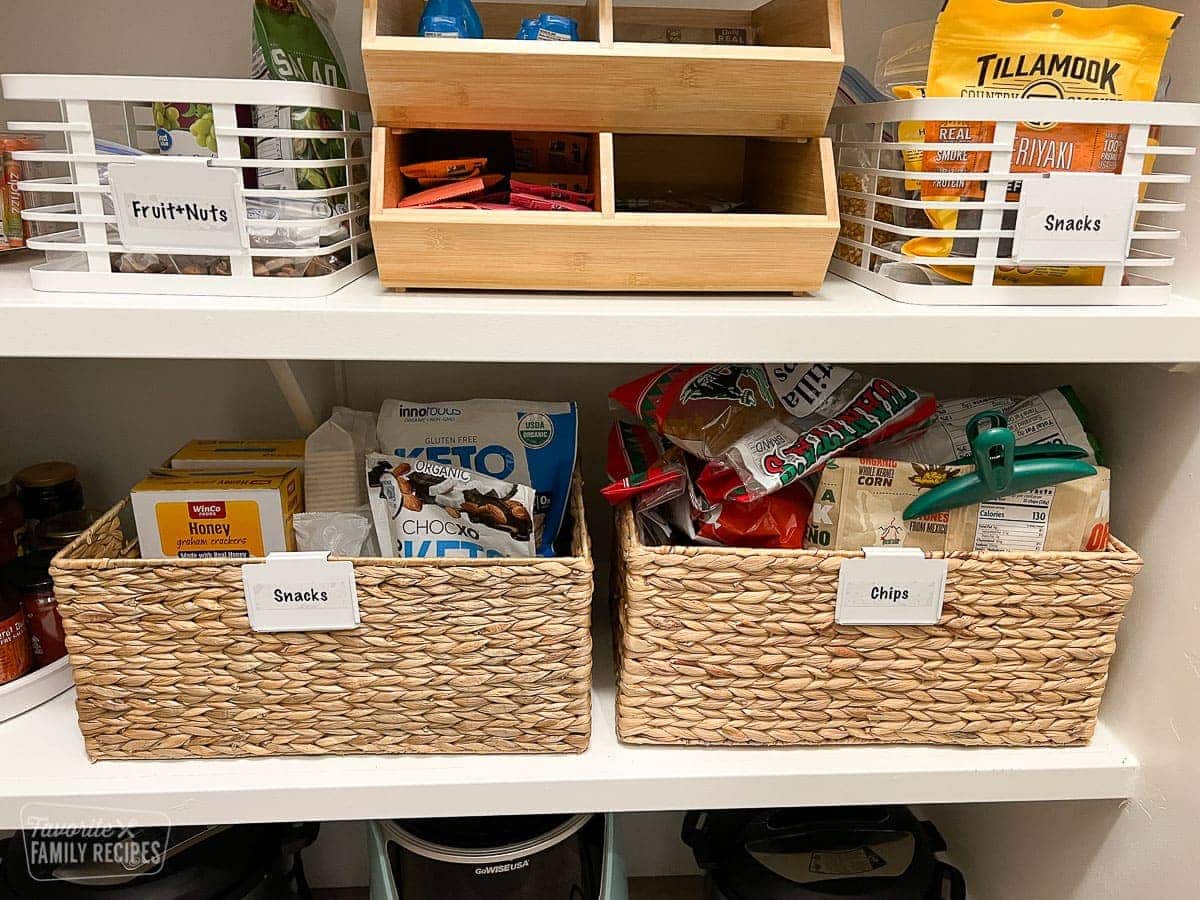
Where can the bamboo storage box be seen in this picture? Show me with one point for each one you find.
(783, 246)
(619, 77)
(723, 646)
(452, 656)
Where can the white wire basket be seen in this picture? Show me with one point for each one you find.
(288, 239)
(882, 209)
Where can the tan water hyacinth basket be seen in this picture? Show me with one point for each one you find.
(727, 646)
(452, 656)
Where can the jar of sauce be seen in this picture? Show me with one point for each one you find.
(56, 532)
(30, 581)
(48, 489)
(12, 522)
(16, 649)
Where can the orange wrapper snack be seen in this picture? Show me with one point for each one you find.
(455, 190)
(441, 169)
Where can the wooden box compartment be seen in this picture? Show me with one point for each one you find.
(780, 239)
(632, 70)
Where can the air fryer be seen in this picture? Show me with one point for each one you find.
(849, 853)
(240, 862)
(497, 858)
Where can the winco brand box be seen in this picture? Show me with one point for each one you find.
(226, 515)
(283, 454)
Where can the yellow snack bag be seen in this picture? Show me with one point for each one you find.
(914, 132)
(992, 48)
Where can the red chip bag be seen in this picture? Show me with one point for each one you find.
(765, 427)
(775, 522)
(638, 465)
(656, 479)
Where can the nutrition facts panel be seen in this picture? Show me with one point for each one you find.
(1015, 523)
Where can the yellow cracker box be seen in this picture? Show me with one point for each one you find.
(232, 515)
(274, 454)
(998, 49)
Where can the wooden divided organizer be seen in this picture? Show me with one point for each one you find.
(696, 67)
(452, 656)
(726, 646)
(670, 212)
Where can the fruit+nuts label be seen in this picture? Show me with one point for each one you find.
(178, 204)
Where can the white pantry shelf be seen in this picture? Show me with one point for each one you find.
(609, 776)
(843, 322)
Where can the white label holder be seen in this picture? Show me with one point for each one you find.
(891, 586)
(1071, 215)
(881, 212)
(301, 592)
(180, 208)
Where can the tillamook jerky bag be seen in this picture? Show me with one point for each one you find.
(428, 509)
(995, 49)
(514, 440)
(764, 427)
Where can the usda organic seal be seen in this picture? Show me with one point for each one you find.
(535, 430)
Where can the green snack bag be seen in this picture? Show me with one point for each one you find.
(293, 41)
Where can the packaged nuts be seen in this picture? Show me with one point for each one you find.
(426, 509)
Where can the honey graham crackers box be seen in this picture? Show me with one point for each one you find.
(206, 515)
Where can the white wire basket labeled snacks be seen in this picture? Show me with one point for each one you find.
(230, 187)
(948, 201)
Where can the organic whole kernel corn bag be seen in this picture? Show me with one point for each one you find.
(996, 49)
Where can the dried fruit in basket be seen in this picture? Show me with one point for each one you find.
(763, 427)
(994, 49)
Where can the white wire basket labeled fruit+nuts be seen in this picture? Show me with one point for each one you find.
(950, 201)
(232, 187)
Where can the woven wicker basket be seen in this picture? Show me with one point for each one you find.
(452, 656)
(727, 646)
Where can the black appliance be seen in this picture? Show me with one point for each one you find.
(552, 857)
(237, 862)
(838, 853)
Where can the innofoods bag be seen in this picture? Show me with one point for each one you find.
(764, 427)
(996, 49)
(428, 509)
(526, 442)
(860, 502)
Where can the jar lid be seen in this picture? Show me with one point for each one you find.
(47, 474)
(59, 530)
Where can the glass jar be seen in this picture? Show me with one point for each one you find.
(48, 489)
(16, 649)
(30, 581)
(12, 522)
(56, 532)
